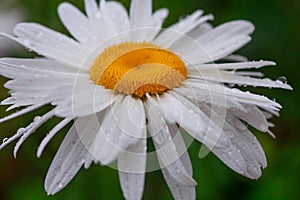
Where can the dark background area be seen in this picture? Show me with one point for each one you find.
(276, 38)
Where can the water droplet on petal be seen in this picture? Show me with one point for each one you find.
(282, 79)
(59, 185)
(183, 17)
(4, 140)
(80, 161)
(56, 171)
(20, 130)
(37, 118)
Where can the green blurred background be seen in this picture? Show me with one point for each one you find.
(277, 38)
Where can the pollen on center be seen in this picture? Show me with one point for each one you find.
(137, 69)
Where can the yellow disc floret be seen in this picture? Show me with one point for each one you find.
(137, 69)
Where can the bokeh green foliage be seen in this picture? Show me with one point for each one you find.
(276, 38)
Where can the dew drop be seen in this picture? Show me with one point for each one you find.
(183, 17)
(4, 140)
(80, 161)
(282, 79)
(37, 118)
(60, 185)
(145, 149)
(56, 171)
(21, 130)
(72, 143)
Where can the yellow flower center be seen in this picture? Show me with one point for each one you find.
(137, 69)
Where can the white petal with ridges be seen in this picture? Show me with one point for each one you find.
(232, 66)
(71, 155)
(227, 30)
(245, 155)
(41, 64)
(231, 77)
(132, 168)
(115, 16)
(215, 44)
(180, 192)
(76, 23)
(51, 134)
(119, 129)
(91, 8)
(192, 119)
(169, 36)
(140, 13)
(235, 94)
(85, 100)
(165, 148)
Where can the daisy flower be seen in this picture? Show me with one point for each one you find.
(122, 78)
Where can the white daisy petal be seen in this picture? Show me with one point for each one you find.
(192, 119)
(48, 43)
(107, 145)
(115, 16)
(243, 156)
(28, 97)
(41, 64)
(232, 66)
(140, 19)
(208, 97)
(133, 111)
(21, 131)
(66, 163)
(252, 115)
(200, 30)
(120, 128)
(72, 154)
(266, 82)
(76, 23)
(225, 39)
(156, 25)
(21, 112)
(91, 8)
(227, 31)
(159, 17)
(165, 147)
(232, 157)
(250, 73)
(236, 95)
(39, 34)
(85, 100)
(132, 168)
(29, 130)
(40, 81)
(249, 139)
(51, 134)
(232, 77)
(181, 147)
(217, 43)
(236, 58)
(140, 13)
(221, 50)
(180, 192)
(169, 36)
